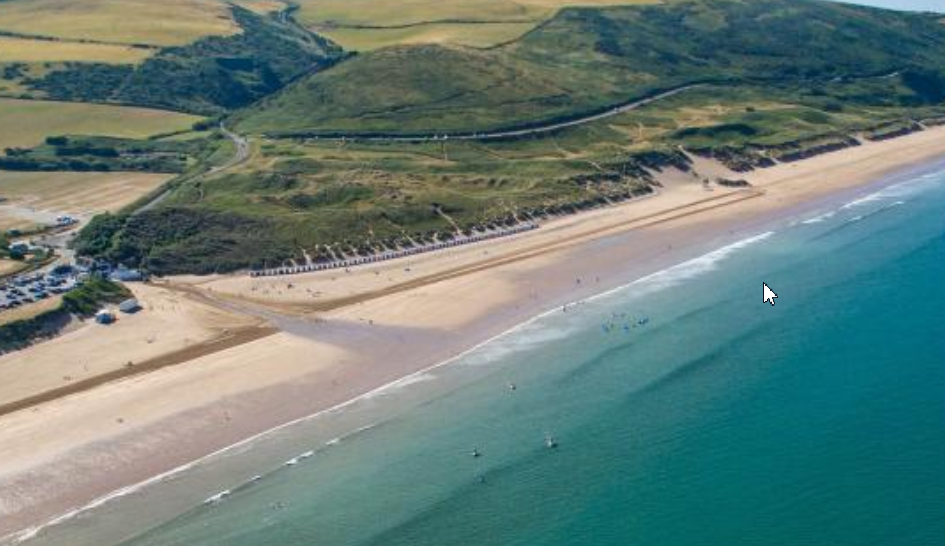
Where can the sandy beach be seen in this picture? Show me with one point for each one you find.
(322, 338)
(168, 324)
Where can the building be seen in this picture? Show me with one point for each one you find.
(129, 306)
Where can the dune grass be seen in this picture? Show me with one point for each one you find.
(26, 123)
(164, 23)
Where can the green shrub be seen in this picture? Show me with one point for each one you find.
(210, 76)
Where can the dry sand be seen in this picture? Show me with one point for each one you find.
(347, 333)
(168, 322)
(48, 462)
(448, 289)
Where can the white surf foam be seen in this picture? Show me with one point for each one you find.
(659, 280)
(216, 499)
(400, 384)
(532, 333)
(899, 190)
(820, 218)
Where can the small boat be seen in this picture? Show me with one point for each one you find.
(550, 442)
(475, 453)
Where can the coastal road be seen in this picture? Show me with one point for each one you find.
(555, 126)
(239, 157)
(515, 133)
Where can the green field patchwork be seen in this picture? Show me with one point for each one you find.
(26, 123)
(25, 50)
(164, 23)
(209, 76)
(365, 25)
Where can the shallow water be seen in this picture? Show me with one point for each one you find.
(686, 412)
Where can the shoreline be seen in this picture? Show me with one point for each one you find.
(618, 252)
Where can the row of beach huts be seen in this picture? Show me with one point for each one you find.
(393, 254)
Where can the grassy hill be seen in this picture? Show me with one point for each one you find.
(585, 60)
(410, 89)
(781, 80)
(318, 195)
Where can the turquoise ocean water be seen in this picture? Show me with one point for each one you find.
(720, 420)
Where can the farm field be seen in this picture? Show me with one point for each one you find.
(371, 24)
(164, 23)
(478, 35)
(25, 50)
(26, 123)
(37, 195)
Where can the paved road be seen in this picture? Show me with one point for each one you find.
(496, 135)
(240, 156)
(551, 127)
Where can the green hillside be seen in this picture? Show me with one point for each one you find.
(209, 76)
(778, 80)
(417, 88)
(588, 59)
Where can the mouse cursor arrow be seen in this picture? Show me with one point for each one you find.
(769, 294)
